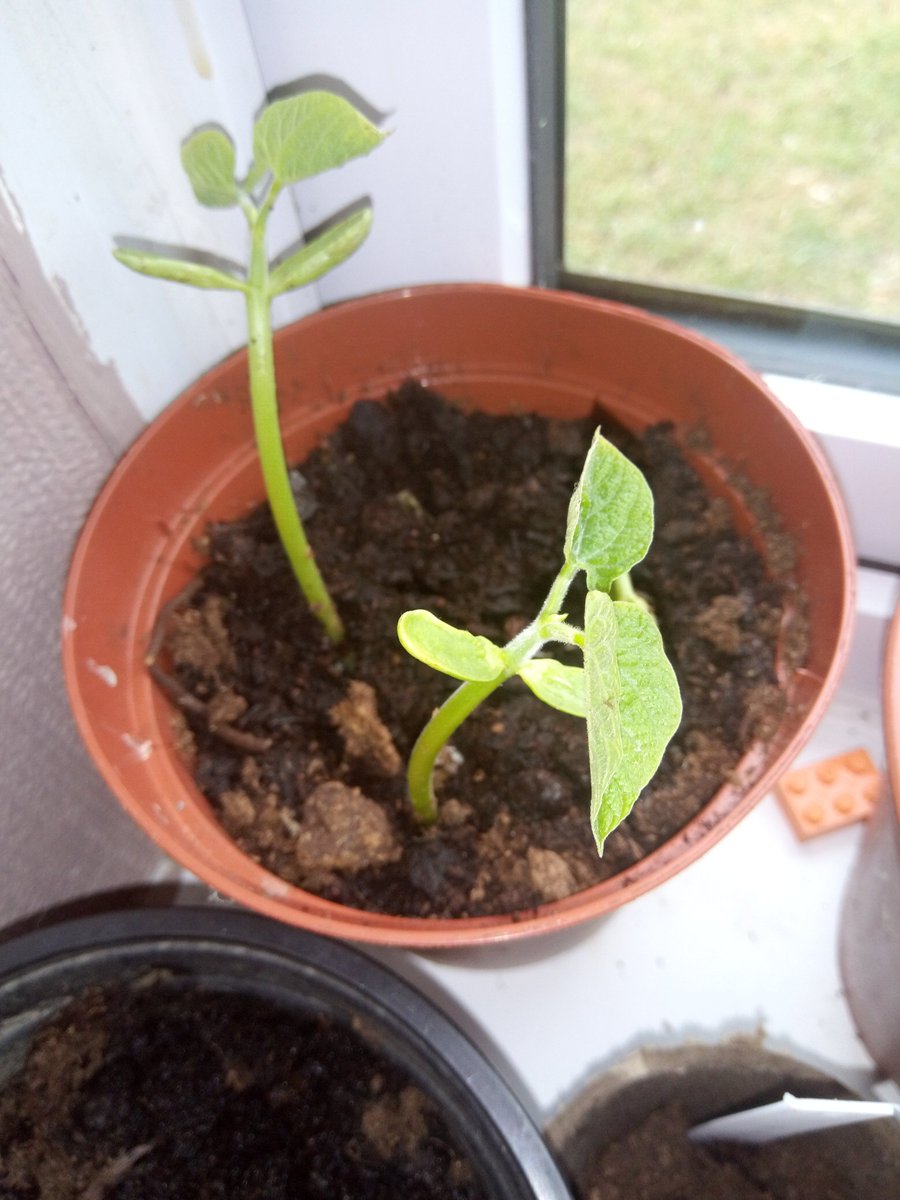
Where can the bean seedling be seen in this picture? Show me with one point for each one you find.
(626, 690)
(293, 139)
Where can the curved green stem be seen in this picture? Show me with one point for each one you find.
(558, 629)
(264, 401)
(623, 589)
(443, 724)
(451, 714)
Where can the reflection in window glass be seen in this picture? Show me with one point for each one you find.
(742, 146)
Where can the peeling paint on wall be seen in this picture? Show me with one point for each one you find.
(96, 387)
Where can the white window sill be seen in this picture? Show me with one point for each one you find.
(829, 408)
(860, 434)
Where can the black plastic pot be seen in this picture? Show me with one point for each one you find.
(301, 972)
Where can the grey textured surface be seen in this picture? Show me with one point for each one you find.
(62, 835)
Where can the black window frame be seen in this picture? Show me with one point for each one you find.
(780, 339)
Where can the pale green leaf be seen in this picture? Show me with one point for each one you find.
(445, 648)
(603, 694)
(558, 685)
(326, 251)
(179, 270)
(313, 132)
(649, 710)
(610, 523)
(208, 158)
(253, 177)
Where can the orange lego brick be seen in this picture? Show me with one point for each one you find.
(829, 794)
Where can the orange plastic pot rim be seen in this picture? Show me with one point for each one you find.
(529, 348)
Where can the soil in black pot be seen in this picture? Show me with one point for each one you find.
(150, 1093)
(655, 1161)
(417, 504)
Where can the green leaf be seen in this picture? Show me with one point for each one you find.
(208, 158)
(326, 251)
(603, 695)
(610, 523)
(253, 177)
(558, 685)
(445, 648)
(649, 710)
(179, 270)
(313, 132)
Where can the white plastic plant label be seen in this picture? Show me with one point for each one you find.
(790, 1116)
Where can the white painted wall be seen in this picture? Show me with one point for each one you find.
(95, 98)
(94, 101)
(450, 184)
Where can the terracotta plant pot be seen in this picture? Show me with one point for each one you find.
(241, 955)
(487, 346)
(707, 1081)
(870, 924)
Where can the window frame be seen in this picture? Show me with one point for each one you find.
(809, 343)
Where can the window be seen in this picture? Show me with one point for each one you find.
(732, 165)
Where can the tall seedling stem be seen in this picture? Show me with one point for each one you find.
(272, 461)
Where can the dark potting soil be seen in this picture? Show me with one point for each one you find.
(156, 1094)
(655, 1161)
(416, 504)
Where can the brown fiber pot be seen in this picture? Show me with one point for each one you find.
(870, 923)
(706, 1081)
(489, 346)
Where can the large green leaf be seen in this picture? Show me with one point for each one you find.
(313, 132)
(326, 251)
(179, 270)
(454, 651)
(208, 158)
(610, 523)
(560, 686)
(603, 694)
(649, 713)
